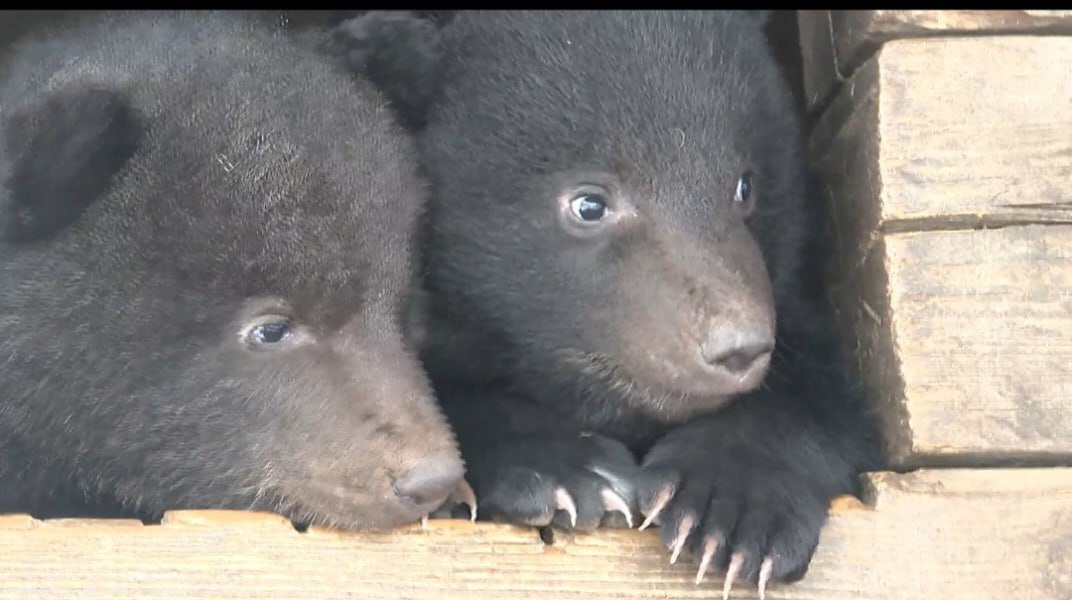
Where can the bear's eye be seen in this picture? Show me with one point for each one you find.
(589, 207)
(275, 332)
(269, 333)
(744, 189)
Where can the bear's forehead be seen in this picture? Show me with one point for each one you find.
(316, 263)
(261, 205)
(249, 166)
(274, 220)
(569, 55)
(597, 88)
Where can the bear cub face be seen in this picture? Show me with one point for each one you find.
(205, 285)
(665, 225)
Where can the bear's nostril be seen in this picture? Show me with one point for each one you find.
(736, 351)
(430, 481)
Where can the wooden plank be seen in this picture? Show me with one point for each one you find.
(973, 131)
(983, 325)
(977, 126)
(934, 534)
(840, 41)
(961, 337)
(859, 33)
(964, 338)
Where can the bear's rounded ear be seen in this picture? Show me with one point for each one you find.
(59, 154)
(399, 52)
(761, 17)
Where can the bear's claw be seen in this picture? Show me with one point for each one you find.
(613, 502)
(463, 494)
(658, 503)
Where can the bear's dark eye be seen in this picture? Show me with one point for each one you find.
(744, 188)
(589, 207)
(269, 333)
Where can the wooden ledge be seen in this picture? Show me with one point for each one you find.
(835, 43)
(933, 534)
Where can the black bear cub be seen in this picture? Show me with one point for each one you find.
(205, 286)
(621, 262)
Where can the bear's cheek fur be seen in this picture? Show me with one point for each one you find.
(649, 300)
(291, 447)
(321, 429)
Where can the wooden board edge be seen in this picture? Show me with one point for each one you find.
(834, 44)
(846, 161)
(225, 519)
(923, 521)
(858, 34)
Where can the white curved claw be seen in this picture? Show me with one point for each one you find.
(613, 502)
(765, 571)
(709, 549)
(564, 501)
(464, 494)
(424, 522)
(661, 500)
(683, 530)
(736, 562)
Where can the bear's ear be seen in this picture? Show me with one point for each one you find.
(399, 52)
(61, 152)
(760, 17)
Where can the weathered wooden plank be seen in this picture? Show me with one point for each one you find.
(933, 534)
(835, 43)
(973, 131)
(961, 337)
(977, 126)
(857, 34)
(983, 325)
(964, 340)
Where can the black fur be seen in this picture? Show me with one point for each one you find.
(410, 79)
(65, 153)
(170, 180)
(553, 349)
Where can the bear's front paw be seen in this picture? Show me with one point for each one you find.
(578, 482)
(757, 517)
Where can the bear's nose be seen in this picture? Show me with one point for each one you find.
(431, 481)
(738, 352)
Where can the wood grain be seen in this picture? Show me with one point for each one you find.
(858, 33)
(836, 43)
(955, 138)
(976, 129)
(936, 534)
(983, 325)
(965, 338)
(947, 164)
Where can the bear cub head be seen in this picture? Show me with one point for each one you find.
(206, 285)
(618, 198)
